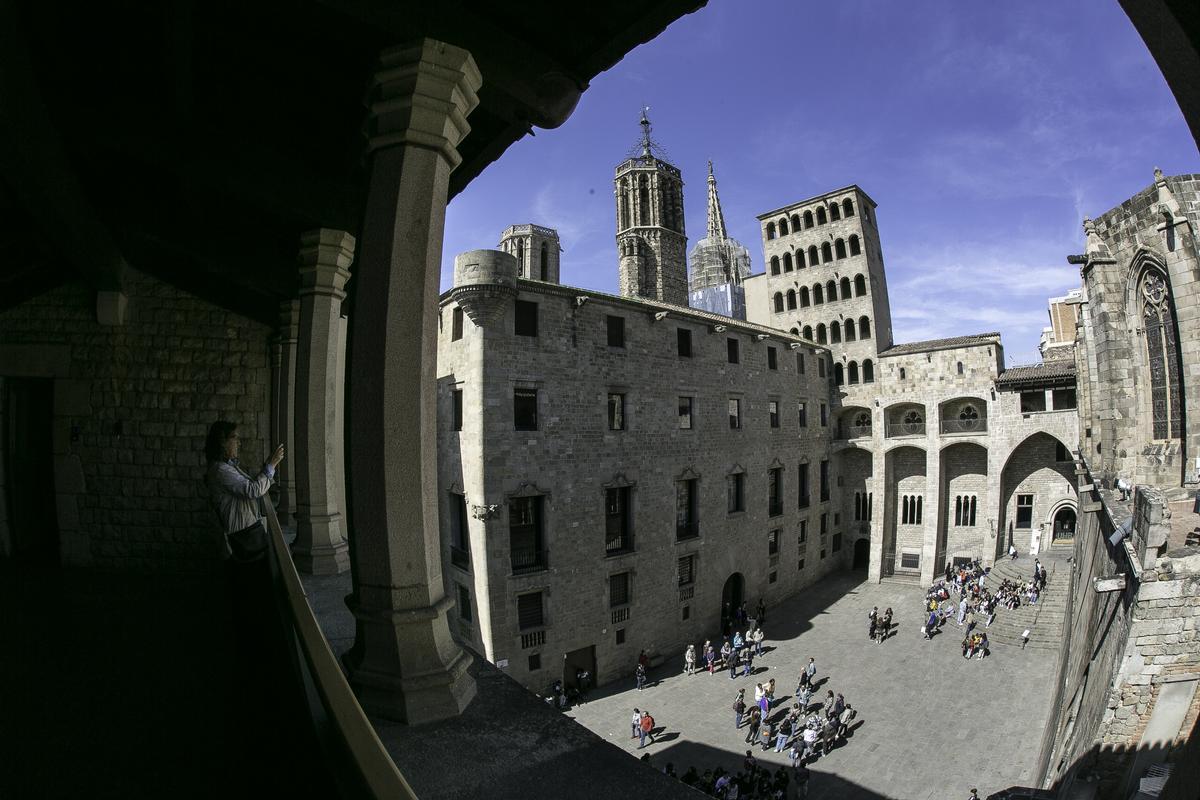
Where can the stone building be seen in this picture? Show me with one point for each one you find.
(536, 249)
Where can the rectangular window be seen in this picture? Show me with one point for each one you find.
(685, 413)
(824, 481)
(733, 347)
(772, 577)
(683, 342)
(687, 570)
(457, 400)
(529, 611)
(773, 413)
(773, 543)
(803, 540)
(1024, 511)
(737, 493)
(820, 366)
(1063, 398)
(616, 411)
(526, 322)
(456, 324)
(735, 413)
(824, 524)
(616, 331)
(535, 662)
(772, 363)
(910, 560)
(687, 509)
(620, 636)
(802, 414)
(800, 362)
(801, 564)
(802, 486)
(460, 547)
(525, 534)
(464, 603)
(824, 416)
(1033, 401)
(525, 409)
(836, 542)
(618, 519)
(618, 589)
(775, 492)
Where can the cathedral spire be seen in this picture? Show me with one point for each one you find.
(716, 219)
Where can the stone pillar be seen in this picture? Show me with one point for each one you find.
(879, 499)
(933, 508)
(283, 406)
(320, 546)
(404, 665)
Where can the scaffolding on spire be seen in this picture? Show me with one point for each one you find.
(647, 147)
(718, 264)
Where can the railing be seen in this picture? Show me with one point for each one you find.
(687, 592)
(534, 639)
(854, 432)
(977, 425)
(361, 763)
(620, 615)
(905, 429)
(887, 564)
(459, 557)
(528, 559)
(619, 543)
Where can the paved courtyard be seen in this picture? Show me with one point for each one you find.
(930, 724)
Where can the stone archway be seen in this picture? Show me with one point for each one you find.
(733, 594)
(862, 553)
(1062, 524)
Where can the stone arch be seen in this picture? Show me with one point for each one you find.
(904, 419)
(826, 253)
(804, 297)
(868, 371)
(855, 466)
(795, 223)
(822, 338)
(800, 257)
(1031, 469)
(791, 299)
(835, 332)
(852, 372)
(839, 246)
(860, 284)
(905, 489)
(774, 265)
(818, 294)
(778, 298)
(808, 332)
(808, 219)
(831, 290)
(965, 415)
(787, 262)
(847, 208)
(844, 285)
(770, 230)
(963, 518)
(813, 259)
(835, 212)
(821, 217)
(783, 226)
(839, 374)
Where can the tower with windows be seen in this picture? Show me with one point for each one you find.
(651, 241)
(536, 250)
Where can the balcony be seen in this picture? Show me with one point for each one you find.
(460, 557)
(617, 543)
(619, 615)
(854, 432)
(976, 425)
(895, 429)
(528, 559)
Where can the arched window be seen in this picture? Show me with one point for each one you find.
(774, 265)
(852, 370)
(545, 266)
(835, 332)
(813, 260)
(868, 371)
(840, 245)
(864, 328)
(835, 213)
(787, 262)
(795, 223)
(791, 300)
(770, 230)
(644, 202)
(783, 227)
(855, 248)
(821, 218)
(808, 219)
(860, 285)
(1162, 355)
(831, 291)
(845, 287)
(902, 373)
(521, 258)
(779, 302)
(826, 253)
(808, 332)
(847, 208)
(849, 326)
(804, 297)
(821, 335)
(839, 374)
(800, 258)
(818, 294)
(795, 331)
(960, 371)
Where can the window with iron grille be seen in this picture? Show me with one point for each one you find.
(618, 519)
(773, 543)
(526, 547)
(618, 589)
(529, 611)
(687, 570)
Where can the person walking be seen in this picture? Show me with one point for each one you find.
(769, 691)
(726, 652)
(872, 621)
(804, 697)
(839, 705)
(811, 669)
(886, 625)
(827, 709)
(753, 725)
(962, 609)
(640, 674)
(646, 729)
(844, 719)
(733, 665)
(689, 660)
(748, 661)
(783, 734)
(710, 655)
(739, 708)
(810, 737)
(759, 636)
(1024, 638)
(930, 625)
(766, 735)
(635, 724)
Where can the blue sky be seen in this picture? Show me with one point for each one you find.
(984, 131)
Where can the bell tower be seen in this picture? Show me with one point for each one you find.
(651, 242)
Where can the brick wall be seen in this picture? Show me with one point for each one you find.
(141, 396)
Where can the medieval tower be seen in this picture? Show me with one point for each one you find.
(536, 249)
(651, 240)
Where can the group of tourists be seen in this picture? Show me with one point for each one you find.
(878, 626)
(736, 654)
(752, 782)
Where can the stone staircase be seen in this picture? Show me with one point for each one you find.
(1046, 618)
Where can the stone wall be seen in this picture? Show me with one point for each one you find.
(132, 405)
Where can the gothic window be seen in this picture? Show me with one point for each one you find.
(855, 248)
(835, 213)
(852, 372)
(644, 203)
(850, 337)
(813, 260)
(847, 208)
(623, 204)
(774, 265)
(864, 328)
(770, 230)
(826, 252)
(779, 302)
(835, 332)
(821, 218)
(521, 258)
(783, 227)
(818, 295)
(804, 297)
(845, 287)
(808, 219)
(821, 337)
(840, 245)
(787, 262)
(1162, 356)
(868, 371)
(831, 290)
(839, 374)
(791, 300)
(860, 285)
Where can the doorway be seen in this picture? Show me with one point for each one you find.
(732, 595)
(1064, 524)
(28, 408)
(862, 553)
(575, 664)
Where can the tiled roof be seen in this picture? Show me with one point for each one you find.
(941, 344)
(1053, 372)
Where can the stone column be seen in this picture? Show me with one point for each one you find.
(404, 665)
(933, 508)
(320, 546)
(283, 406)
(879, 491)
